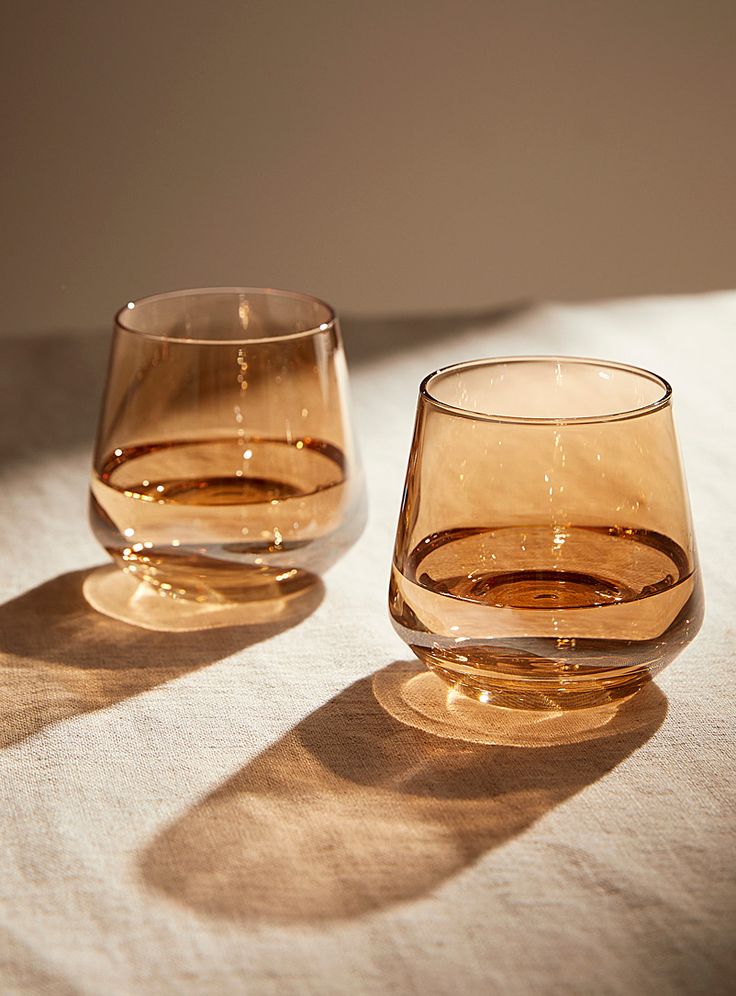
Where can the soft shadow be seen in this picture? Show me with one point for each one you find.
(368, 338)
(353, 811)
(51, 383)
(60, 658)
(50, 389)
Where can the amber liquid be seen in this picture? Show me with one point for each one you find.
(546, 617)
(225, 519)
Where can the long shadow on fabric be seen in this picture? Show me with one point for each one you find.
(353, 811)
(59, 658)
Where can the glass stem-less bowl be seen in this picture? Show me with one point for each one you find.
(545, 557)
(225, 467)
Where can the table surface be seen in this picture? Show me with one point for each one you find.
(246, 810)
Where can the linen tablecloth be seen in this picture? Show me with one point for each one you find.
(245, 811)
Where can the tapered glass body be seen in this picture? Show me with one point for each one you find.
(225, 466)
(545, 555)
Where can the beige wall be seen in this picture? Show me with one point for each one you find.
(391, 157)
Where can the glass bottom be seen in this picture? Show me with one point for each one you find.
(205, 579)
(553, 693)
(120, 595)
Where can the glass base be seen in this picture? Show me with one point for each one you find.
(554, 693)
(119, 595)
(202, 579)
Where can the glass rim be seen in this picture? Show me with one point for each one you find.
(203, 291)
(662, 402)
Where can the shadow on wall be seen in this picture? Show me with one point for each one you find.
(59, 658)
(50, 389)
(353, 811)
(51, 385)
(369, 339)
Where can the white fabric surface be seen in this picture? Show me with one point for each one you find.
(186, 814)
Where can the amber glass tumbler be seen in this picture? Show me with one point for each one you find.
(225, 467)
(545, 556)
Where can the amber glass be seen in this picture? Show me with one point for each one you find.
(225, 467)
(545, 556)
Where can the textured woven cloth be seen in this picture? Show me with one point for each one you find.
(262, 809)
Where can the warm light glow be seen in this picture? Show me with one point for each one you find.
(244, 313)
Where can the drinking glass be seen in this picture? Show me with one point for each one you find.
(225, 467)
(545, 556)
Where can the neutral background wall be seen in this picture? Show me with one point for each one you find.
(392, 157)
